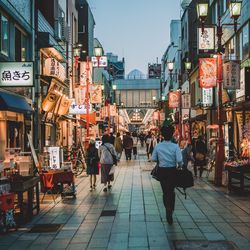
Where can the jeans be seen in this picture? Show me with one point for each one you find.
(168, 186)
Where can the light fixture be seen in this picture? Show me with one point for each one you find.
(202, 10)
(163, 98)
(114, 87)
(170, 66)
(154, 98)
(188, 65)
(235, 9)
(98, 51)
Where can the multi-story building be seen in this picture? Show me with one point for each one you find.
(17, 73)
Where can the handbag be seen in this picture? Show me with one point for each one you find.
(199, 156)
(184, 179)
(113, 156)
(156, 172)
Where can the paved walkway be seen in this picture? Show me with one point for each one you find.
(208, 213)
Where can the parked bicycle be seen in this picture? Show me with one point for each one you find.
(76, 156)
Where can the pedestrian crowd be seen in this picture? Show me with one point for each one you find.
(161, 148)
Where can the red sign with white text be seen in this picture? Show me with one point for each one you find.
(208, 72)
(174, 99)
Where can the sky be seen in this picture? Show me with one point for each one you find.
(137, 30)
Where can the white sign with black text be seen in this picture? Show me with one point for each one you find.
(18, 74)
(206, 39)
(231, 75)
(207, 97)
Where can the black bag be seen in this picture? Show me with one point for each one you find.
(184, 179)
(113, 156)
(156, 172)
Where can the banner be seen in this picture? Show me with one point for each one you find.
(208, 72)
(174, 99)
(53, 68)
(80, 95)
(65, 103)
(101, 61)
(206, 38)
(95, 93)
(75, 109)
(85, 73)
(50, 101)
(186, 101)
(231, 75)
(207, 97)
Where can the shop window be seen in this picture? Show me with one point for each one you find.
(4, 31)
(20, 46)
(245, 42)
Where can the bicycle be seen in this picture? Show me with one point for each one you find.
(76, 156)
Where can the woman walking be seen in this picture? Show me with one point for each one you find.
(106, 150)
(199, 152)
(92, 164)
(168, 155)
(118, 146)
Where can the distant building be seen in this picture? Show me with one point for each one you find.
(154, 70)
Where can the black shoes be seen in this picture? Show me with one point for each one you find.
(169, 216)
(105, 189)
(109, 186)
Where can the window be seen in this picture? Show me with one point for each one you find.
(245, 42)
(20, 46)
(4, 31)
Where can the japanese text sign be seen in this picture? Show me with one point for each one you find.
(206, 39)
(95, 93)
(75, 109)
(174, 99)
(85, 73)
(16, 74)
(231, 75)
(101, 61)
(207, 97)
(53, 68)
(208, 72)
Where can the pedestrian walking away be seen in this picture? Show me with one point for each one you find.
(92, 161)
(118, 146)
(168, 155)
(135, 142)
(127, 145)
(106, 159)
(199, 152)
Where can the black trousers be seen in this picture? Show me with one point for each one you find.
(128, 152)
(168, 186)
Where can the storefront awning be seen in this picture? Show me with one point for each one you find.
(15, 103)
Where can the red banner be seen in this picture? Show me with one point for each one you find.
(174, 99)
(207, 72)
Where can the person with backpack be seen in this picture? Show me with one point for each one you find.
(168, 155)
(106, 154)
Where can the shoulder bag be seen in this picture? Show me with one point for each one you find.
(156, 172)
(113, 156)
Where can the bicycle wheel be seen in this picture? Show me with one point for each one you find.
(78, 168)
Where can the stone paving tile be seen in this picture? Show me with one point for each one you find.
(138, 242)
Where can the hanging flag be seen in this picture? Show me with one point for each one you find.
(64, 105)
(95, 93)
(174, 99)
(80, 95)
(85, 73)
(208, 72)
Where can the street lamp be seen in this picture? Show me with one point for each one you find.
(202, 11)
(235, 10)
(188, 66)
(98, 52)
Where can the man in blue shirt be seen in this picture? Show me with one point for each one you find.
(168, 155)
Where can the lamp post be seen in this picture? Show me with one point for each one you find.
(235, 11)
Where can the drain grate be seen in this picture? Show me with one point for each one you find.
(108, 213)
(45, 228)
(203, 244)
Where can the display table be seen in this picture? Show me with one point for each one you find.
(53, 181)
(23, 184)
(237, 176)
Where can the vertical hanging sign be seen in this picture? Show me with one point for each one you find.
(208, 72)
(231, 75)
(85, 73)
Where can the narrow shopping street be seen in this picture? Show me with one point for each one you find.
(136, 218)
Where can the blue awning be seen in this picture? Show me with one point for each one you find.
(15, 103)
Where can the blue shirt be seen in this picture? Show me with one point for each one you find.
(168, 154)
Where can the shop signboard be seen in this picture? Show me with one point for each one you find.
(243, 93)
(16, 74)
(64, 105)
(96, 93)
(55, 69)
(206, 39)
(207, 72)
(85, 73)
(80, 95)
(231, 75)
(54, 157)
(101, 61)
(207, 97)
(174, 99)
(75, 109)
(186, 101)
